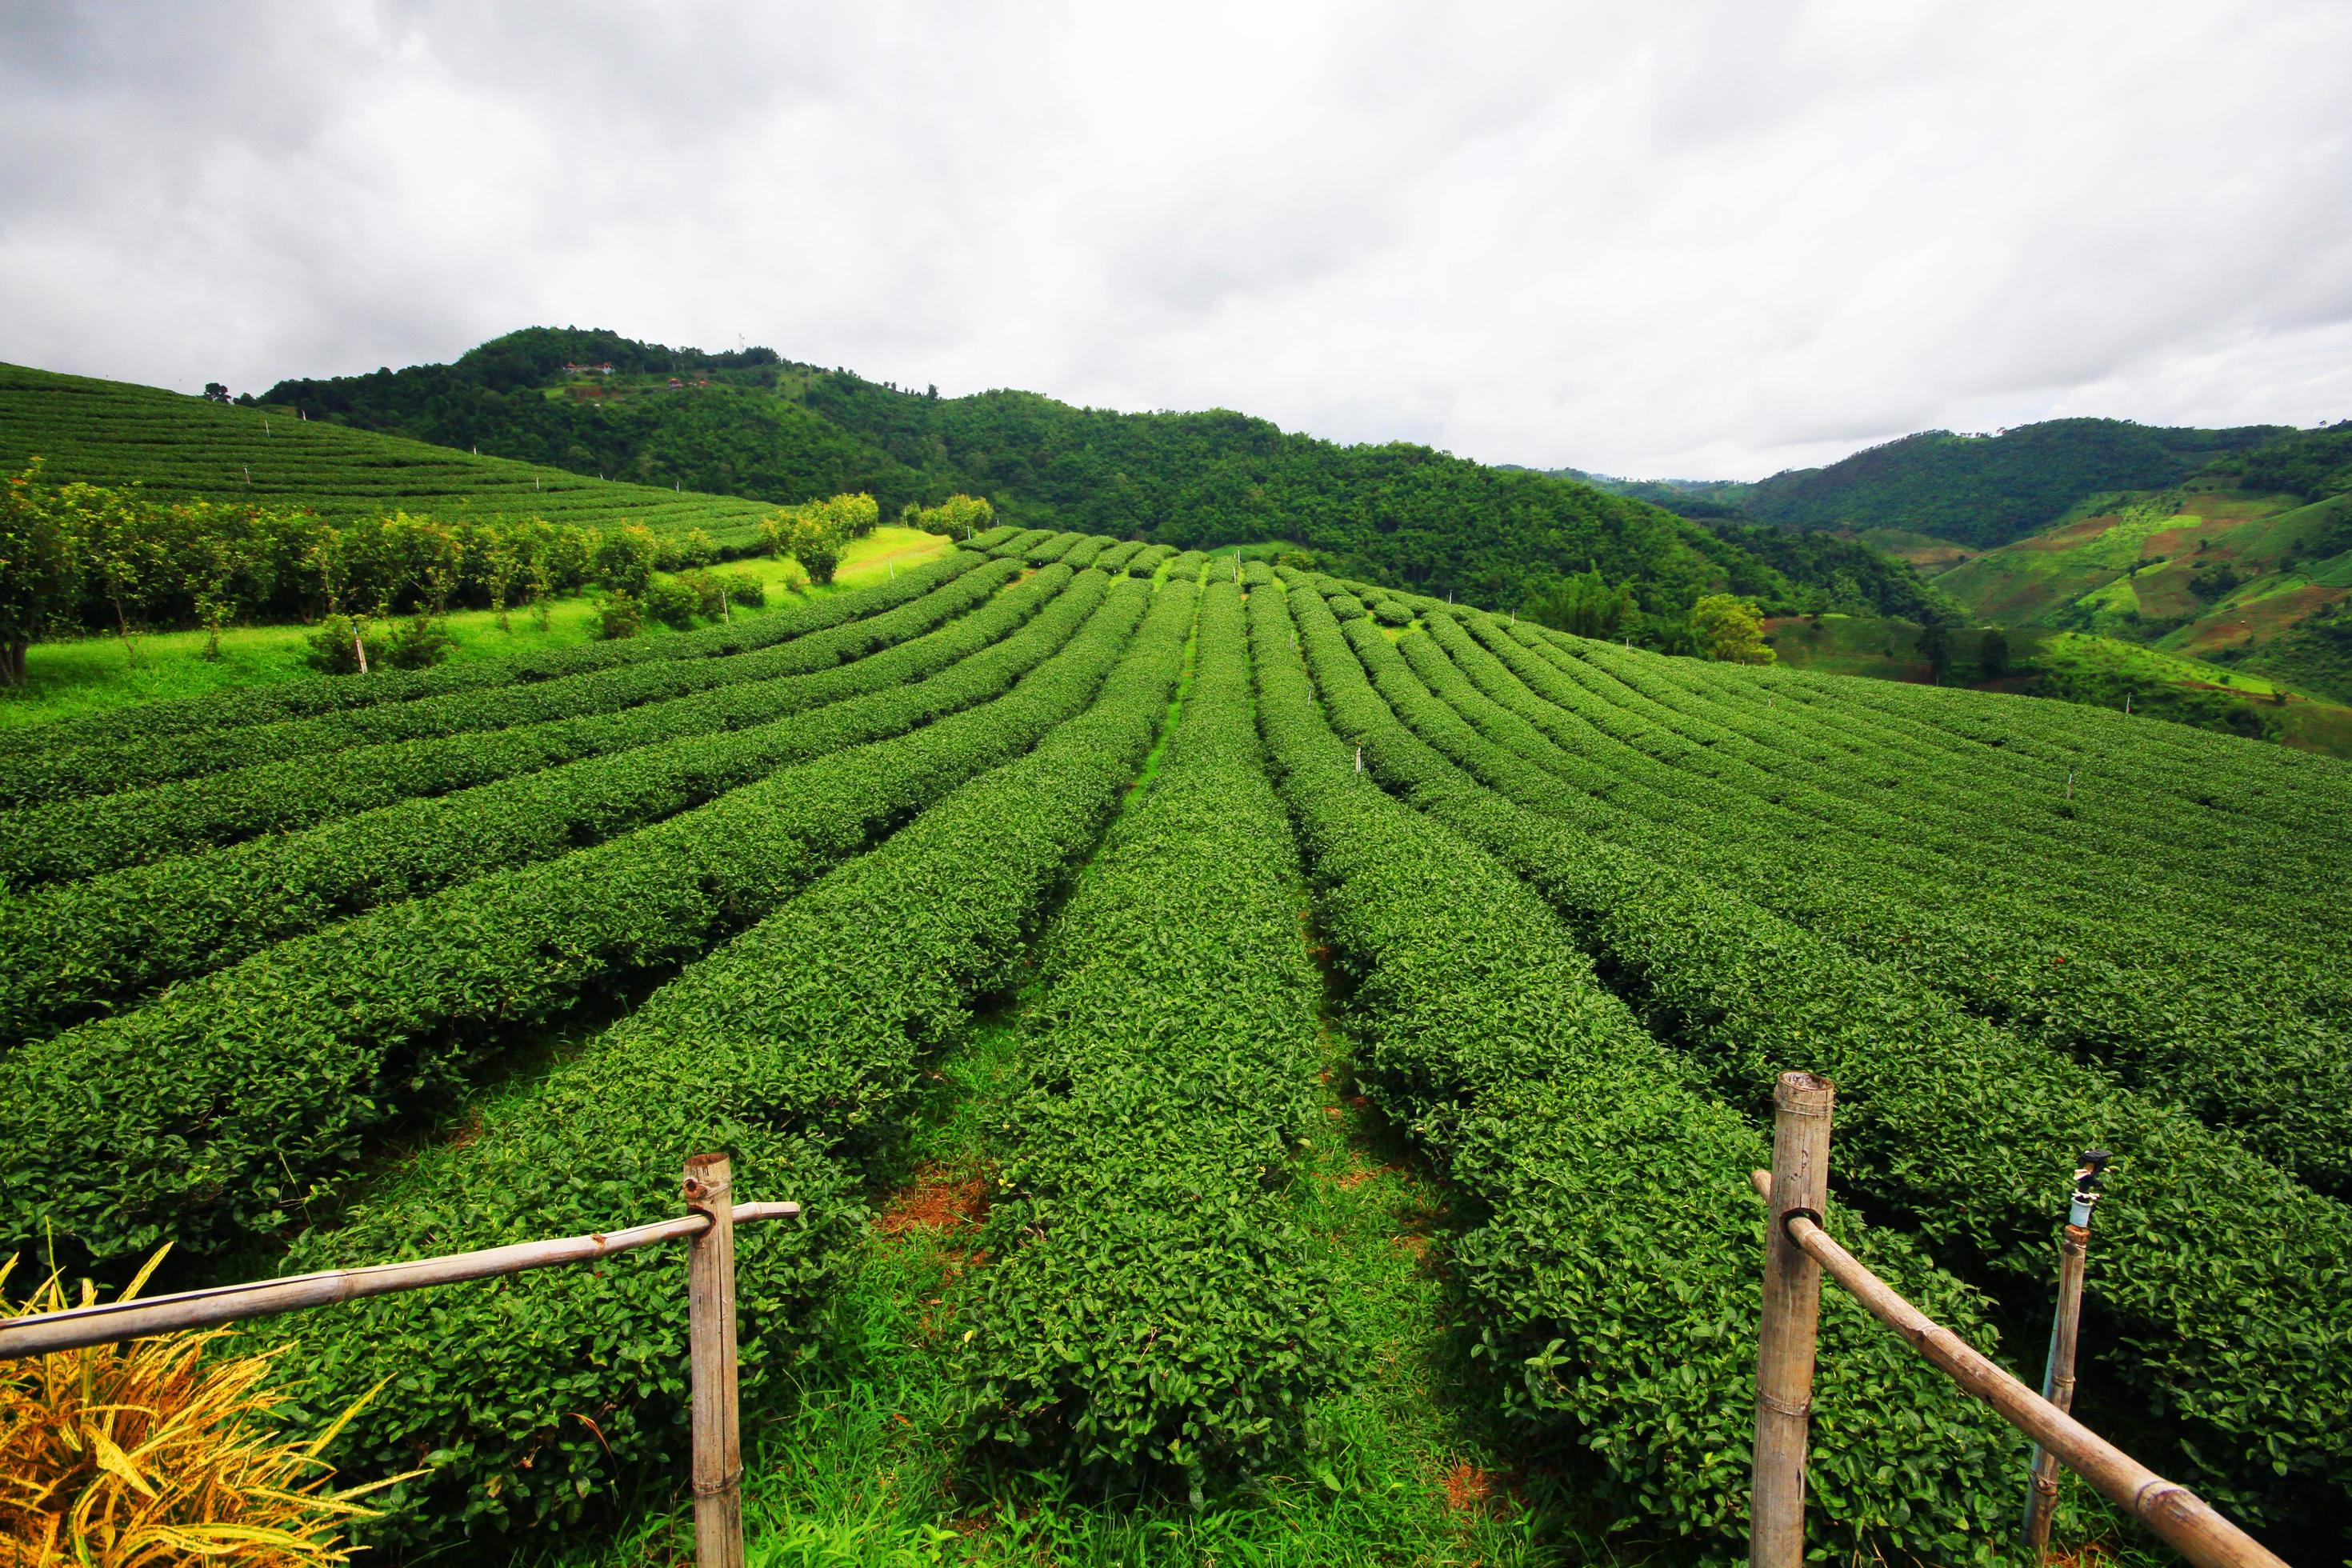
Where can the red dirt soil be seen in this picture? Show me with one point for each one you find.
(1468, 1489)
(938, 1200)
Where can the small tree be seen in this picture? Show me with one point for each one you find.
(1729, 630)
(621, 616)
(41, 567)
(339, 646)
(625, 558)
(124, 559)
(1992, 654)
(1935, 647)
(217, 593)
(420, 643)
(813, 535)
(958, 517)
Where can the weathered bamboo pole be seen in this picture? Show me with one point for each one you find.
(49, 1332)
(2065, 1325)
(710, 1329)
(2184, 1520)
(1793, 1305)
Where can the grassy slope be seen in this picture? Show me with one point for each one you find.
(91, 675)
(2124, 566)
(1889, 650)
(179, 448)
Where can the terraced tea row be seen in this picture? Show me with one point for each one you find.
(186, 448)
(1152, 1308)
(237, 1099)
(1951, 1122)
(794, 1048)
(71, 951)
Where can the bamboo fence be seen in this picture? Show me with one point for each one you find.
(709, 1228)
(1795, 1188)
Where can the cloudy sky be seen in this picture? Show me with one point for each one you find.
(1678, 239)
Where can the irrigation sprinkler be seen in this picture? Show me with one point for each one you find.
(2058, 1370)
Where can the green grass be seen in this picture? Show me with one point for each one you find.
(93, 674)
(1889, 650)
(2112, 656)
(868, 1467)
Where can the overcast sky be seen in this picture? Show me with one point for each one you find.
(1677, 239)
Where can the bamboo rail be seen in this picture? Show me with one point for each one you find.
(710, 1300)
(2185, 1522)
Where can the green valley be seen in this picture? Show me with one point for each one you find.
(1204, 1002)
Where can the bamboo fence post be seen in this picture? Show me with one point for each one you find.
(2058, 1372)
(711, 1327)
(1793, 1305)
(2186, 1521)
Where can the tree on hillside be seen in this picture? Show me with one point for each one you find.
(39, 570)
(1584, 605)
(626, 558)
(958, 517)
(1729, 630)
(1935, 647)
(1992, 655)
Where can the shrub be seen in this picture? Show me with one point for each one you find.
(335, 646)
(693, 548)
(744, 588)
(1388, 612)
(675, 601)
(420, 643)
(626, 558)
(621, 616)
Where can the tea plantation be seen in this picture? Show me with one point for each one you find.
(1100, 922)
(177, 447)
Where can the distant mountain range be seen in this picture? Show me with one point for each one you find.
(751, 423)
(2232, 546)
(1976, 490)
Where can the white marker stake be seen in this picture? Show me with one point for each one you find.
(1359, 759)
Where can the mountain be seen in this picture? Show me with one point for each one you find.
(751, 423)
(1978, 491)
(1985, 491)
(2248, 563)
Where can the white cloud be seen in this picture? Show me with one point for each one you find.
(1707, 239)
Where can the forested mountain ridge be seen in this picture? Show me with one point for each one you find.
(751, 423)
(1978, 490)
